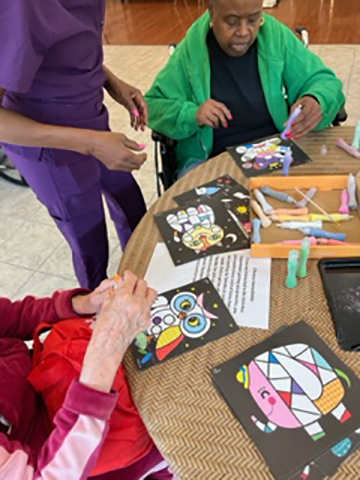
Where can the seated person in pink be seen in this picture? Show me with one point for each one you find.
(27, 450)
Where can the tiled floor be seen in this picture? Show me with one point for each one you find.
(34, 258)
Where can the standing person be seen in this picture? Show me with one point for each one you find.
(55, 127)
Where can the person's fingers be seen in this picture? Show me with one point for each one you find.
(140, 289)
(133, 145)
(130, 281)
(105, 285)
(221, 116)
(213, 119)
(142, 106)
(151, 296)
(308, 126)
(223, 108)
(312, 117)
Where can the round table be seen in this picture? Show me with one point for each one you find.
(189, 421)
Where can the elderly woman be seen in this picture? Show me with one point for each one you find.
(27, 450)
(235, 78)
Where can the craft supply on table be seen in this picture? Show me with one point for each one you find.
(303, 258)
(309, 195)
(291, 211)
(291, 279)
(231, 274)
(267, 155)
(287, 162)
(300, 225)
(323, 150)
(354, 152)
(295, 399)
(356, 141)
(334, 243)
(287, 132)
(314, 204)
(344, 207)
(198, 316)
(282, 197)
(352, 192)
(312, 241)
(267, 208)
(341, 282)
(256, 230)
(313, 217)
(314, 232)
(265, 221)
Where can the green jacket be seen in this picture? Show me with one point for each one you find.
(287, 70)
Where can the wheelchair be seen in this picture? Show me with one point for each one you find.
(165, 148)
(9, 172)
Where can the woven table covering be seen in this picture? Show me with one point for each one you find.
(189, 421)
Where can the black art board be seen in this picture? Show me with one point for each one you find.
(266, 155)
(181, 320)
(341, 281)
(206, 190)
(327, 464)
(292, 394)
(200, 229)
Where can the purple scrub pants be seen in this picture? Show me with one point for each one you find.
(71, 190)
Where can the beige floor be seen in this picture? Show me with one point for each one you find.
(34, 258)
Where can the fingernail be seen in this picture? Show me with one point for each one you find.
(231, 117)
(226, 125)
(142, 145)
(135, 112)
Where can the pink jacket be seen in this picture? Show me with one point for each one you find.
(26, 452)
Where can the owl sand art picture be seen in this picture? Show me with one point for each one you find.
(199, 230)
(182, 320)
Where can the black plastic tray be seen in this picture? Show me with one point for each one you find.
(341, 281)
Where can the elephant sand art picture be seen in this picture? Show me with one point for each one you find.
(295, 386)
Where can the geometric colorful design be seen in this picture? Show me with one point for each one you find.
(312, 367)
(295, 388)
(273, 359)
(308, 386)
(286, 396)
(332, 396)
(320, 361)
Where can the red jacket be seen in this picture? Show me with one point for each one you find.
(27, 452)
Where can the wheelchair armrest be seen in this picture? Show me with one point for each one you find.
(163, 139)
(341, 117)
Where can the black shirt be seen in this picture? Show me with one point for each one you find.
(235, 81)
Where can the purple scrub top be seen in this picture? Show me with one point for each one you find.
(51, 59)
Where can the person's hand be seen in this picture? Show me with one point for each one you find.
(131, 98)
(116, 151)
(213, 114)
(309, 118)
(92, 302)
(124, 315)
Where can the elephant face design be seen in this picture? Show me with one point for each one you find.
(294, 386)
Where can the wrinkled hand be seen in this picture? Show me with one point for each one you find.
(213, 114)
(116, 151)
(309, 118)
(91, 303)
(131, 98)
(124, 315)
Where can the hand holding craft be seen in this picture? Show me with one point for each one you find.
(123, 316)
(309, 118)
(91, 304)
(213, 114)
